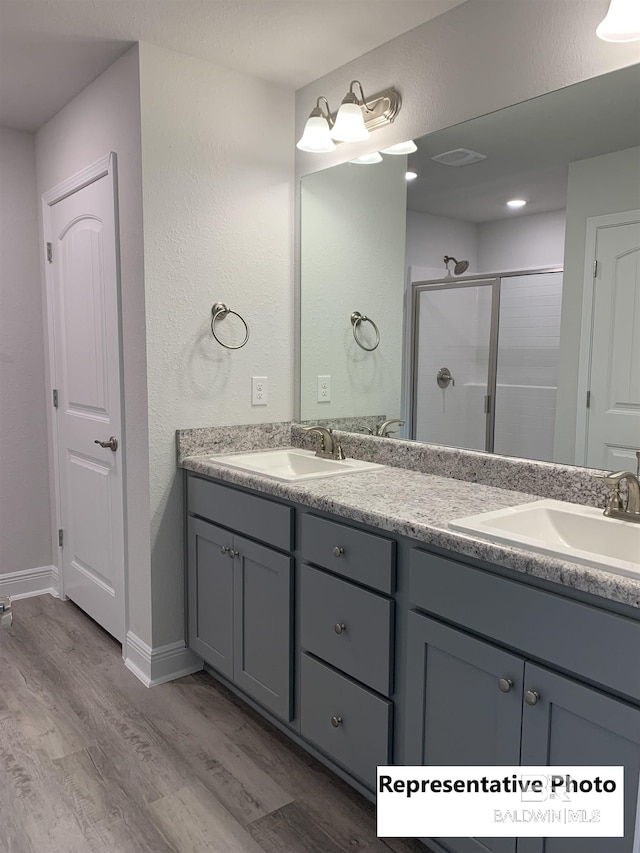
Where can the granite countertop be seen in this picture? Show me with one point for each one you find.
(420, 506)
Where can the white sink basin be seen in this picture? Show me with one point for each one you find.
(567, 531)
(293, 465)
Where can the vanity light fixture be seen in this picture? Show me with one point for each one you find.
(367, 159)
(516, 202)
(353, 122)
(317, 136)
(411, 176)
(407, 147)
(621, 23)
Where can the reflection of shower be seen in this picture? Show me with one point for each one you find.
(460, 266)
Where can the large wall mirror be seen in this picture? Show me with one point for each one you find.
(526, 342)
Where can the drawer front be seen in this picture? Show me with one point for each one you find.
(361, 740)
(362, 644)
(594, 644)
(360, 556)
(260, 518)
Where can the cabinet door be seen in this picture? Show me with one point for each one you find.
(456, 712)
(210, 598)
(574, 724)
(263, 625)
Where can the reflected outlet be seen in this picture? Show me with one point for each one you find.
(324, 389)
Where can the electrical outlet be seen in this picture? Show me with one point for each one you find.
(259, 390)
(324, 389)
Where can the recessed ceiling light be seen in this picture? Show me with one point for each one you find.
(411, 176)
(516, 202)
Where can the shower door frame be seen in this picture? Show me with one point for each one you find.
(493, 280)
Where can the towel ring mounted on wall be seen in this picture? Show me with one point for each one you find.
(218, 312)
(356, 319)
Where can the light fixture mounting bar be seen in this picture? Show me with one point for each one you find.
(379, 110)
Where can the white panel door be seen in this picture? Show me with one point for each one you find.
(84, 299)
(613, 424)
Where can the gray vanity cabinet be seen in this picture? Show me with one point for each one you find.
(571, 723)
(240, 592)
(464, 706)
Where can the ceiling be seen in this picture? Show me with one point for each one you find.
(529, 147)
(51, 49)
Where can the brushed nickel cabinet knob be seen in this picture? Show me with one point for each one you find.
(531, 697)
(336, 721)
(338, 551)
(505, 684)
(339, 627)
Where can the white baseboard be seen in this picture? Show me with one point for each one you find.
(29, 582)
(159, 665)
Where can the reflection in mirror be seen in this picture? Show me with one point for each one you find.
(508, 328)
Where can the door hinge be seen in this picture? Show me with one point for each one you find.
(55, 398)
(595, 269)
(487, 404)
(50, 253)
(588, 399)
(60, 537)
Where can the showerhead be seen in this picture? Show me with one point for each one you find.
(460, 266)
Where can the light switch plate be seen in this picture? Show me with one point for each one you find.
(259, 390)
(324, 389)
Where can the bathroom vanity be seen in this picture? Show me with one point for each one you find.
(351, 616)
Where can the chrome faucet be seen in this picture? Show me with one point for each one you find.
(629, 510)
(329, 448)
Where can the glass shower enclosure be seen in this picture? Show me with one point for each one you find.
(484, 362)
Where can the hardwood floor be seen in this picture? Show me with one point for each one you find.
(91, 761)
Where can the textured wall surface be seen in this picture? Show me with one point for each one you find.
(217, 154)
(353, 260)
(25, 537)
(106, 117)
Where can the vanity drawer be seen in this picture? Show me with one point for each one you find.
(593, 644)
(360, 556)
(363, 647)
(361, 740)
(259, 518)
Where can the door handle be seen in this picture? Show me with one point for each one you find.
(112, 443)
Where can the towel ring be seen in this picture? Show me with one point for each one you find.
(356, 319)
(218, 312)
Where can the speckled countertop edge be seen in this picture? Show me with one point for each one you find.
(420, 506)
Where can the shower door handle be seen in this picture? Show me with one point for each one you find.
(444, 377)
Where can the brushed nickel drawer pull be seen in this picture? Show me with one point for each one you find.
(336, 721)
(505, 684)
(338, 551)
(225, 549)
(531, 697)
(339, 627)
(233, 554)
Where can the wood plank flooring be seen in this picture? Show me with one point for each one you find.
(91, 761)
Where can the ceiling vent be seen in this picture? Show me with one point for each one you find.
(459, 157)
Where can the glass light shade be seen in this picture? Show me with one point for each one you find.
(407, 147)
(316, 137)
(349, 126)
(621, 23)
(366, 159)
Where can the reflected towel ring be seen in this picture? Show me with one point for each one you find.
(219, 312)
(356, 319)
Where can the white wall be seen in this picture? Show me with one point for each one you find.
(600, 185)
(429, 238)
(25, 537)
(523, 242)
(106, 117)
(352, 258)
(217, 155)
